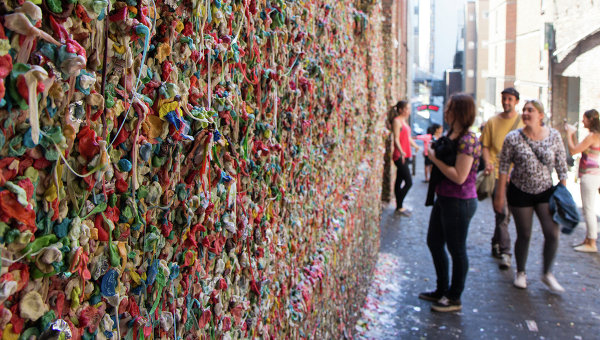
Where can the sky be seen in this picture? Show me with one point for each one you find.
(449, 16)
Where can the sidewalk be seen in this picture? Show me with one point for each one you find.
(492, 307)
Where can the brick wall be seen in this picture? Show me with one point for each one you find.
(394, 36)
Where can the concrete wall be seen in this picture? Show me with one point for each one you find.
(531, 62)
(590, 83)
(482, 48)
(576, 26)
(497, 49)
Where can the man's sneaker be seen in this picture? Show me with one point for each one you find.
(504, 262)
(550, 281)
(496, 251)
(520, 280)
(431, 296)
(446, 305)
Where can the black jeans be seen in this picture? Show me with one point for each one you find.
(448, 226)
(402, 175)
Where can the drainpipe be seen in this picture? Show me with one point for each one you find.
(549, 37)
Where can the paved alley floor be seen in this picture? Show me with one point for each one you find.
(492, 307)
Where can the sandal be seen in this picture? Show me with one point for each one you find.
(585, 248)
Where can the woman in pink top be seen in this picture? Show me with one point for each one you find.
(402, 153)
(589, 175)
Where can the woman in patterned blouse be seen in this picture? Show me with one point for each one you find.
(454, 207)
(533, 151)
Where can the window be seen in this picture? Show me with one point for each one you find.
(542, 6)
(490, 90)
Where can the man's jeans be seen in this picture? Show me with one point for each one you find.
(501, 234)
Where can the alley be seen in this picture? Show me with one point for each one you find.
(492, 307)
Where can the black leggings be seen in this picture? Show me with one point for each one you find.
(402, 175)
(523, 216)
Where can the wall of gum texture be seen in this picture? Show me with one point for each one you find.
(227, 183)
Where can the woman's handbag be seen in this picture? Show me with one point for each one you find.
(485, 185)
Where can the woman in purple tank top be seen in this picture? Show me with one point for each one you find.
(454, 207)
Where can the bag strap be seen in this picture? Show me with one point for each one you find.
(532, 150)
(516, 123)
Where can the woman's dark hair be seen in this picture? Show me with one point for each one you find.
(433, 128)
(594, 118)
(395, 110)
(463, 108)
(400, 105)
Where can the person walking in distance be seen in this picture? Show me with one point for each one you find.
(402, 154)
(492, 137)
(534, 151)
(589, 175)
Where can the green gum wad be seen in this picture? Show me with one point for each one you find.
(17, 70)
(46, 319)
(109, 100)
(51, 154)
(150, 241)
(95, 5)
(113, 254)
(126, 213)
(40, 243)
(11, 235)
(142, 192)
(30, 333)
(16, 147)
(157, 162)
(32, 174)
(115, 155)
(3, 228)
(97, 209)
(112, 201)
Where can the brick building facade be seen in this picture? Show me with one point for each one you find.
(395, 31)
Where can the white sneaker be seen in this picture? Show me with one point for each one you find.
(550, 281)
(520, 280)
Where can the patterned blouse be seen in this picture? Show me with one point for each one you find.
(529, 174)
(470, 146)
